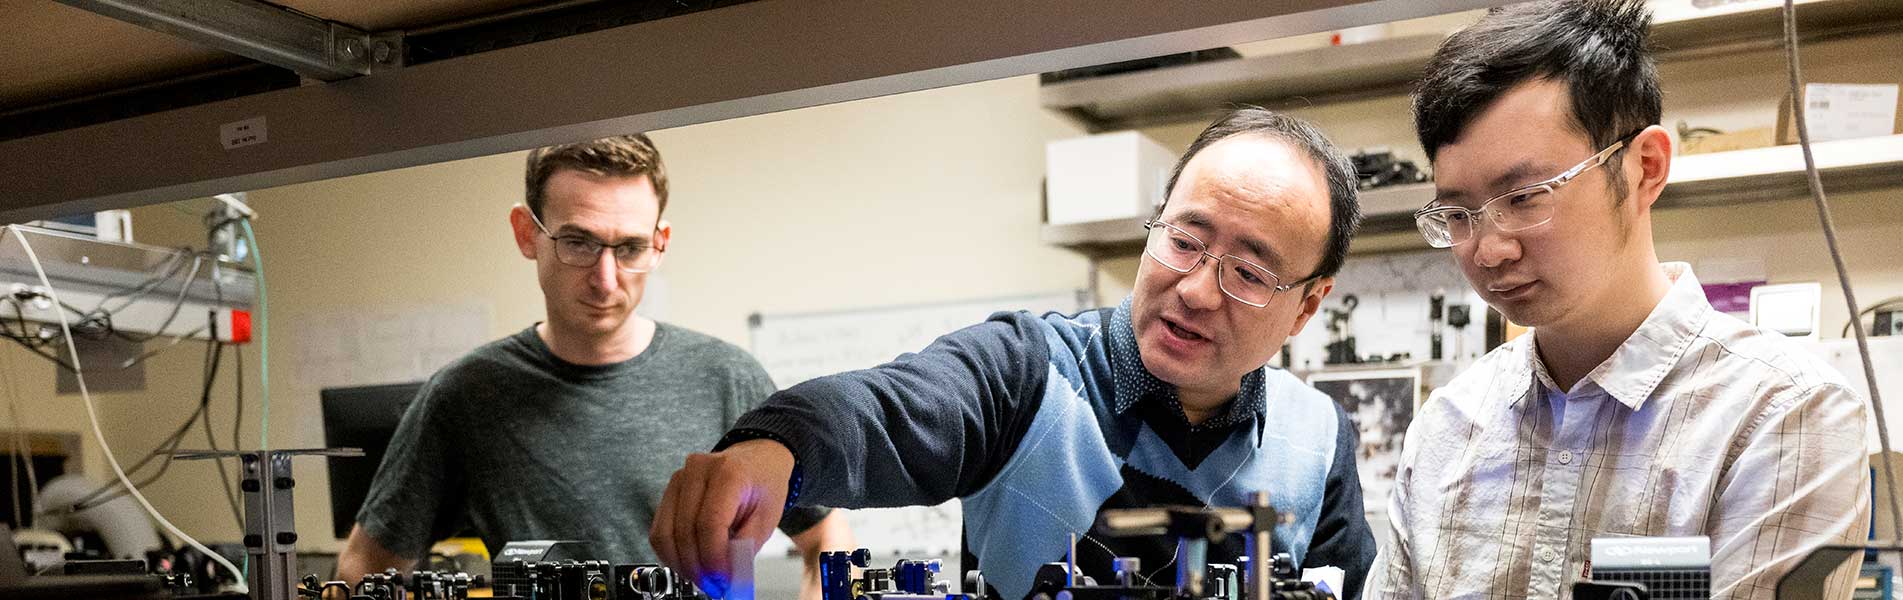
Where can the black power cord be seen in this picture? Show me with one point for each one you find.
(1836, 254)
(214, 351)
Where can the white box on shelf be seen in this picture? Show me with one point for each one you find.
(1842, 111)
(1106, 176)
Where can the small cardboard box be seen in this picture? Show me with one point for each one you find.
(1743, 139)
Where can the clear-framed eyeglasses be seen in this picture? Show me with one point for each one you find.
(1241, 280)
(585, 252)
(1523, 208)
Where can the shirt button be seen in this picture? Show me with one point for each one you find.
(1546, 555)
(1565, 458)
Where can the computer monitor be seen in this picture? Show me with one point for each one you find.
(359, 417)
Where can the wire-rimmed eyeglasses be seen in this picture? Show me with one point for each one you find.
(585, 252)
(1244, 281)
(1524, 207)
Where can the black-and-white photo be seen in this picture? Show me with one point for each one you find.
(1381, 403)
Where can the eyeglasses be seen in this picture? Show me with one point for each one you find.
(584, 252)
(1526, 207)
(1238, 278)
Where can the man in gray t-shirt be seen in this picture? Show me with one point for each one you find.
(570, 429)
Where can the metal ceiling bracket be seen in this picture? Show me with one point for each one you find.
(312, 47)
(386, 51)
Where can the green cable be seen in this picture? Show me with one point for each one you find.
(264, 338)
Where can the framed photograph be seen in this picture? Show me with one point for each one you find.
(1381, 403)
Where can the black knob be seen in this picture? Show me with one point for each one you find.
(250, 486)
(284, 483)
(287, 537)
(254, 541)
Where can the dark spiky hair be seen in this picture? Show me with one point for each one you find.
(1597, 48)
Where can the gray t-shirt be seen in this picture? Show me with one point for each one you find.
(523, 445)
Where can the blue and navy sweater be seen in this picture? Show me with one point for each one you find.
(1039, 423)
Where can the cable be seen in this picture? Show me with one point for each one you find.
(95, 326)
(13, 469)
(99, 435)
(42, 354)
(24, 448)
(237, 374)
(237, 421)
(132, 294)
(212, 440)
(1836, 255)
(20, 314)
(166, 448)
(176, 340)
(98, 321)
(224, 480)
(177, 305)
(264, 340)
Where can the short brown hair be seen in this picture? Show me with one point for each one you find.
(618, 156)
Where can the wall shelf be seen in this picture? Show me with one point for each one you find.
(1716, 179)
(1128, 99)
(1134, 99)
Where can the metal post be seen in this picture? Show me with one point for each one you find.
(1070, 561)
(1260, 582)
(269, 540)
(270, 526)
(1128, 568)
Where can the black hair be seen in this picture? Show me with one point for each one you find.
(1597, 48)
(1344, 208)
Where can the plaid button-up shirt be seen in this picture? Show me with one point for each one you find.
(1697, 425)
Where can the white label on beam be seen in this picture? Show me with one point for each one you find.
(238, 134)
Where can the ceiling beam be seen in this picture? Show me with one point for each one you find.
(312, 47)
(748, 59)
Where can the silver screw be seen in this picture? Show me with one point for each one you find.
(351, 49)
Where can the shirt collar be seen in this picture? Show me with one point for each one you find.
(1132, 383)
(1635, 369)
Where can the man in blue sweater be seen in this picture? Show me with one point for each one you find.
(1039, 423)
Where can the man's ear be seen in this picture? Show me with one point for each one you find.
(1312, 296)
(524, 230)
(1649, 161)
(663, 236)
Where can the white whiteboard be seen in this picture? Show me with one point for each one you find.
(798, 347)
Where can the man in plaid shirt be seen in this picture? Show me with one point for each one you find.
(1633, 408)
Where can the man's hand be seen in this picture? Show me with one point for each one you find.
(733, 494)
(364, 554)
